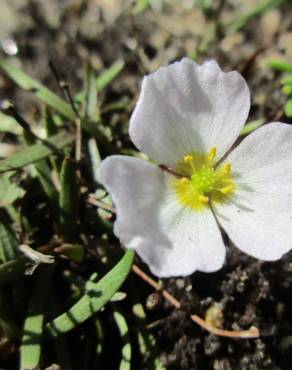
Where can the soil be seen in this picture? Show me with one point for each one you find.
(245, 291)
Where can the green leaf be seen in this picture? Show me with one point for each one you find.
(8, 124)
(94, 157)
(9, 190)
(99, 294)
(50, 123)
(258, 9)
(8, 240)
(40, 91)
(43, 172)
(36, 152)
(104, 79)
(288, 108)
(100, 341)
(122, 325)
(206, 6)
(30, 349)
(251, 126)
(140, 6)
(279, 65)
(60, 343)
(69, 199)
(287, 89)
(287, 80)
(91, 108)
(146, 341)
(109, 75)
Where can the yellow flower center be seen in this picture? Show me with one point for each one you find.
(201, 181)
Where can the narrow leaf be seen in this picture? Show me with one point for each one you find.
(94, 299)
(122, 325)
(36, 152)
(279, 65)
(287, 80)
(40, 91)
(258, 9)
(8, 240)
(251, 126)
(8, 124)
(288, 108)
(60, 343)
(146, 341)
(94, 157)
(104, 79)
(68, 199)
(30, 349)
(9, 190)
(43, 172)
(287, 89)
(140, 6)
(91, 108)
(109, 75)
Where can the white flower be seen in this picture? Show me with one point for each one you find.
(187, 118)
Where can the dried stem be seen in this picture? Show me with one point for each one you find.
(253, 332)
(65, 88)
(8, 108)
(98, 203)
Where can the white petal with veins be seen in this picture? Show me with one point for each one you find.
(258, 218)
(186, 107)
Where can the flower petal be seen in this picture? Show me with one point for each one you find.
(186, 107)
(171, 239)
(258, 218)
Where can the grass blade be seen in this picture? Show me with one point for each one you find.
(146, 341)
(68, 200)
(8, 240)
(36, 152)
(30, 350)
(109, 75)
(256, 10)
(8, 124)
(60, 343)
(9, 190)
(251, 126)
(279, 65)
(104, 79)
(43, 171)
(288, 108)
(91, 107)
(140, 6)
(40, 91)
(94, 158)
(287, 80)
(122, 325)
(99, 294)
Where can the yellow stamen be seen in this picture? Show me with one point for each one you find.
(188, 158)
(212, 153)
(184, 181)
(227, 168)
(203, 198)
(226, 189)
(201, 181)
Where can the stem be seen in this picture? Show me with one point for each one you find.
(252, 332)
